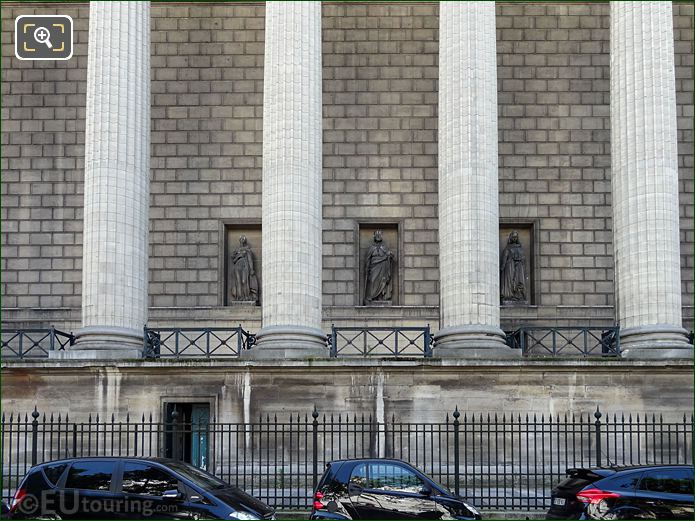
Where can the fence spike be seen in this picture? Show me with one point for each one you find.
(59, 418)
(11, 416)
(150, 416)
(50, 418)
(97, 418)
(3, 416)
(267, 417)
(67, 418)
(370, 418)
(26, 418)
(90, 417)
(661, 418)
(113, 417)
(534, 418)
(275, 418)
(143, 418)
(127, 417)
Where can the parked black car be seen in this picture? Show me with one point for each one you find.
(384, 489)
(652, 492)
(130, 488)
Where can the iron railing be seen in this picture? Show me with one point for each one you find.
(501, 461)
(566, 341)
(191, 342)
(380, 341)
(34, 343)
(344, 342)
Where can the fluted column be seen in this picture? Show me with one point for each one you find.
(292, 192)
(644, 170)
(116, 183)
(468, 188)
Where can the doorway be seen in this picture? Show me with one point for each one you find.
(186, 433)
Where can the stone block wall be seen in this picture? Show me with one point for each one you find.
(380, 148)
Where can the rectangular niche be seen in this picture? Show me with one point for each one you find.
(515, 269)
(239, 286)
(390, 242)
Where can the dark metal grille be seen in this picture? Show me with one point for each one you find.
(34, 343)
(380, 341)
(496, 461)
(566, 341)
(209, 342)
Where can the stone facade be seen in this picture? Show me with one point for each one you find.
(379, 156)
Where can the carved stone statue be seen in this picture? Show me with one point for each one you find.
(513, 272)
(243, 283)
(378, 265)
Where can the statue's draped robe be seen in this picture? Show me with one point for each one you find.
(244, 284)
(378, 264)
(513, 276)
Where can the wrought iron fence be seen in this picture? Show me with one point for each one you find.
(185, 342)
(501, 461)
(566, 341)
(34, 343)
(344, 342)
(380, 341)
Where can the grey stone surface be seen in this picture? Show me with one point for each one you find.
(380, 124)
(422, 390)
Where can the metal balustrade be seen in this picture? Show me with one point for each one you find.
(343, 342)
(380, 342)
(34, 343)
(566, 341)
(192, 342)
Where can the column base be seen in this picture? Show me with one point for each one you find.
(473, 341)
(103, 343)
(656, 342)
(288, 343)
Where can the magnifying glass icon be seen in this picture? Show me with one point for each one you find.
(42, 35)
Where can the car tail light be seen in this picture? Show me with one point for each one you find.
(318, 504)
(595, 495)
(17, 499)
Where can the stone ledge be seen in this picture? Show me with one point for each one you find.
(346, 364)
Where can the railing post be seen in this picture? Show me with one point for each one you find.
(334, 342)
(597, 424)
(428, 341)
(315, 447)
(74, 440)
(53, 339)
(239, 341)
(457, 474)
(34, 436)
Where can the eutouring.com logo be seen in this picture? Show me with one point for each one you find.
(71, 503)
(43, 37)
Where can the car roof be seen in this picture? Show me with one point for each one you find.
(84, 458)
(367, 460)
(609, 469)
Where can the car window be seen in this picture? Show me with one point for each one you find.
(393, 477)
(199, 477)
(141, 478)
(625, 482)
(670, 481)
(53, 472)
(90, 475)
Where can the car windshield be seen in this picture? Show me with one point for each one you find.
(197, 476)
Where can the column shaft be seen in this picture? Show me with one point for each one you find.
(468, 187)
(292, 183)
(644, 169)
(116, 185)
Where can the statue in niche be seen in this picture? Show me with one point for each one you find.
(513, 272)
(243, 283)
(378, 265)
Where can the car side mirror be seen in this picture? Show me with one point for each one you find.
(425, 490)
(172, 495)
